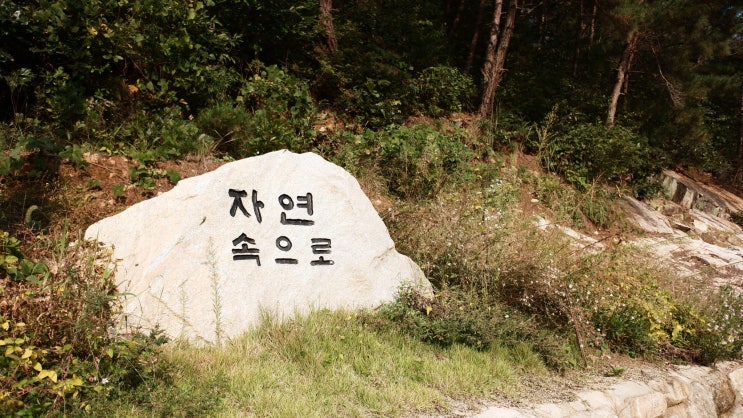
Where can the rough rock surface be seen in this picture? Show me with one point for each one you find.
(691, 229)
(279, 233)
(682, 392)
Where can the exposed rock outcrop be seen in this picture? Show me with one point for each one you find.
(684, 392)
(691, 229)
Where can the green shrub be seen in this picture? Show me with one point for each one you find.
(593, 152)
(571, 207)
(737, 218)
(416, 161)
(717, 331)
(627, 330)
(440, 90)
(157, 136)
(127, 52)
(454, 316)
(617, 298)
(374, 103)
(58, 352)
(274, 110)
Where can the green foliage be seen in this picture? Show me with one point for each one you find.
(591, 153)
(31, 149)
(454, 316)
(627, 330)
(737, 218)
(375, 102)
(273, 110)
(159, 136)
(596, 204)
(718, 329)
(615, 371)
(144, 176)
(276, 32)
(10, 251)
(416, 161)
(440, 90)
(118, 190)
(59, 353)
(475, 241)
(383, 47)
(154, 384)
(157, 53)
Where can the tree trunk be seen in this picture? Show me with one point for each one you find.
(475, 38)
(495, 57)
(592, 31)
(585, 32)
(326, 19)
(579, 38)
(454, 24)
(739, 168)
(622, 75)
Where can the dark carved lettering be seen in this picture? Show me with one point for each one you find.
(322, 262)
(287, 221)
(283, 243)
(237, 202)
(245, 252)
(257, 206)
(307, 199)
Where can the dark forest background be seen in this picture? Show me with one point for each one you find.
(634, 83)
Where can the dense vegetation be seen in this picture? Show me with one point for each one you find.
(251, 74)
(427, 103)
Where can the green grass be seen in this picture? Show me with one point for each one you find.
(331, 364)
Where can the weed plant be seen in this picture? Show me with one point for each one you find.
(594, 206)
(416, 161)
(56, 317)
(589, 153)
(477, 241)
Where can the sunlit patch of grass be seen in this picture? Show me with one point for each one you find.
(331, 364)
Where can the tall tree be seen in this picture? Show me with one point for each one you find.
(475, 37)
(586, 32)
(495, 56)
(625, 63)
(738, 177)
(326, 19)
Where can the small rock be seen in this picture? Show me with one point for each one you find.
(681, 227)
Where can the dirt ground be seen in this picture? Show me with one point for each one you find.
(53, 193)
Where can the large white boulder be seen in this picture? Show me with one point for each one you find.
(276, 234)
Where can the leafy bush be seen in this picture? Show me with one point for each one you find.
(454, 316)
(374, 103)
(166, 51)
(571, 207)
(157, 136)
(440, 90)
(627, 330)
(416, 161)
(593, 152)
(737, 218)
(718, 330)
(58, 352)
(273, 111)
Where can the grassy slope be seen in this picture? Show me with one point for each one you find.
(345, 364)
